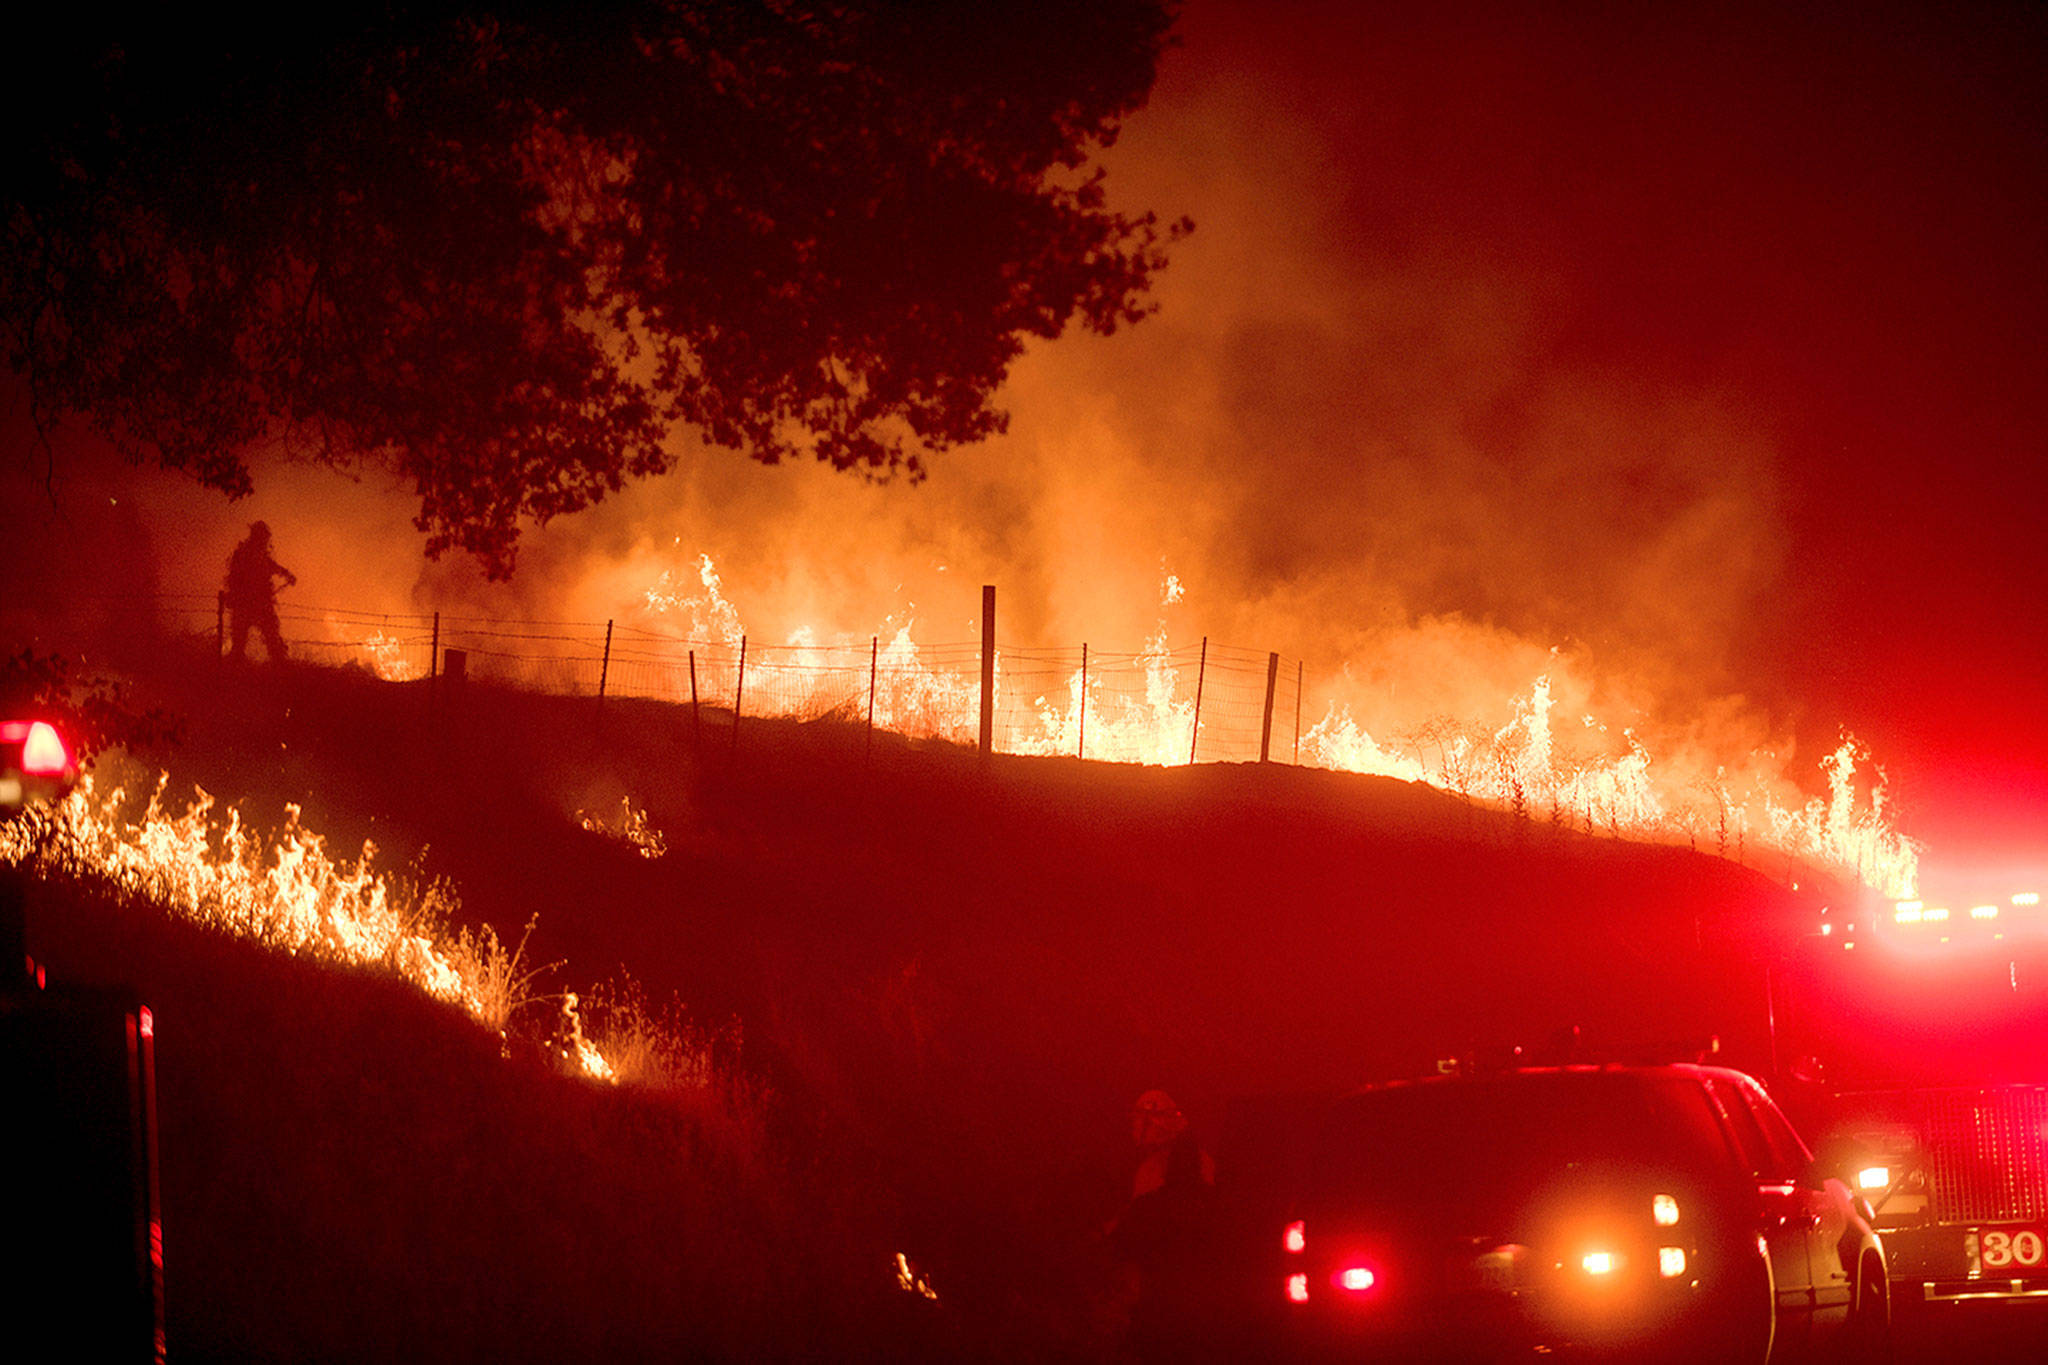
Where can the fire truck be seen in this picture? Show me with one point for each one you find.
(1913, 1038)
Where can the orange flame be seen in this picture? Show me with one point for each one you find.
(1516, 766)
(285, 892)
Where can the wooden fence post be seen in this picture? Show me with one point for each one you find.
(1201, 671)
(1081, 742)
(604, 667)
(874, 664)
(1297, 712)
(696, 716)
(988, 668)
(1266, 722)
(739, 691)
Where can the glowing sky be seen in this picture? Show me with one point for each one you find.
(1705, 347)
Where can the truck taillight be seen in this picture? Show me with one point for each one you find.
(42, 752)
(1295, 1239)
(1297, 1289)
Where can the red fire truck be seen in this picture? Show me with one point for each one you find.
(1913, 1036)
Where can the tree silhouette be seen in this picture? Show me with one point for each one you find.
(507, 252)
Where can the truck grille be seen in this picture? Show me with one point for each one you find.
(1987, 1154)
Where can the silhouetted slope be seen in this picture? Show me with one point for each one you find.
(955, 975)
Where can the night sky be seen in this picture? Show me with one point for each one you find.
(1691, 354)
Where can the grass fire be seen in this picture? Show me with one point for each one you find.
(734, 682)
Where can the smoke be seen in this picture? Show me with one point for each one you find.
(1359, 441)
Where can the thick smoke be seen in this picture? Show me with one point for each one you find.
(1354, 440)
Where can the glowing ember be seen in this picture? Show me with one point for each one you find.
(628, 826)
(911, 1281)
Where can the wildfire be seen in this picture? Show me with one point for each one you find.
(288, 893)
(1516, 765)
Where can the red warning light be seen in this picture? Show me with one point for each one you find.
(43, 753)
(1297, 1289)
(1296, 1238)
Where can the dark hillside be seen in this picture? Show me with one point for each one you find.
(955, 975)
(354, 1172)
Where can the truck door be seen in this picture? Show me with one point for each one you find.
(1790, 1212)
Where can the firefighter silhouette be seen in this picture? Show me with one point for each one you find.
(251, 593)
(1168, 1233)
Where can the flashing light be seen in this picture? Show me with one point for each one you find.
(1295, 1239)
(1670, 1262)
(1935, 914)
(2027, 898)
(1297, 1289)
(1826, 929)
(43, 753)
(1983, 912)
(1357, 1279)
(1908, 912)
(1874, 1178)
(147, 1022)
(1664, 1209)
(1599, 1262)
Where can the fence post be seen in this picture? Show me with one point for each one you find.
(604, 666)
(1266, 724)
(1297, 712)
(988, 668)
(1201, 671)
(1081, 743)
(696, 717)
(739, 691)
(874, 664)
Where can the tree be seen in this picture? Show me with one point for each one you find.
(509, 251)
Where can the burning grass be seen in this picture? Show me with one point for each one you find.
(628, 826)
(285, 891)
(1514, 759)
(952, 1053)
(353, 1173)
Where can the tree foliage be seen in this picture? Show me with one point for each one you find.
(509, 251)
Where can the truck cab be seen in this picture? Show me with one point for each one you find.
(1930, 1015)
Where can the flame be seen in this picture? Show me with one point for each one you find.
(386, 656)
(709, 616)
(628, 826)
(1516, 765)
(911, 1280)
(286, 892)
(392, 657)
(1157, 730)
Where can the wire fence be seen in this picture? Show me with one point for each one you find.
(1202, 703)
(1161, 705)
